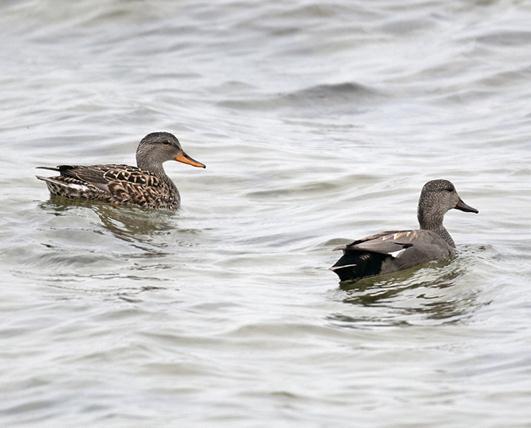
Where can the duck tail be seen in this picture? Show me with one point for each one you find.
(65, 186)
(59, 168)
(48, 168)
(354, 265)
(46, 179)
(53, 181)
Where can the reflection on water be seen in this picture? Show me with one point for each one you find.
(94, 261)
(130, 224)
(433, 293)
(134, 223)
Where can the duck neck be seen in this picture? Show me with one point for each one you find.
(434, 223)
(444, 234)
(153, 166)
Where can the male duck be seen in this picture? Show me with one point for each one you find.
(145, 185)
(400, 249)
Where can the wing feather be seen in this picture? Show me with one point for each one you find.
(106, 174)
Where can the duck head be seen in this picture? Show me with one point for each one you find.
(438, 197)
(159, 147)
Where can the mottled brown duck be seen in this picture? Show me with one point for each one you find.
(145, 185)
(395, 250)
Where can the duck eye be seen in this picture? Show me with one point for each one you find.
(167, 143)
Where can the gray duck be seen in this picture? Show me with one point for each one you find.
(145, 185)
(395, 250)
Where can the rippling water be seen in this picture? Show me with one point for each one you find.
(319, 122)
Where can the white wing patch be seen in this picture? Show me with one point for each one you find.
(397, 253)
(80, 187)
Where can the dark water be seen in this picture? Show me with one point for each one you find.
(319, 122)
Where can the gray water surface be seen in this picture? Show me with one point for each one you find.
(319, 123)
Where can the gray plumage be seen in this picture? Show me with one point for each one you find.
(145, 185)
(391, 251)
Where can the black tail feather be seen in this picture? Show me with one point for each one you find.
(354, 265)
(61, 168)
(48, 167)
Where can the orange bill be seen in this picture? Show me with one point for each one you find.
(184, 158)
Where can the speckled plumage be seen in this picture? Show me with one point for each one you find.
(147, 187)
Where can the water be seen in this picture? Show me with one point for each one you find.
(319, 123)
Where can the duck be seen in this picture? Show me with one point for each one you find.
(145, 185)
(391, 251)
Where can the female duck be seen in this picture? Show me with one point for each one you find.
(145, 185)
(391, 251)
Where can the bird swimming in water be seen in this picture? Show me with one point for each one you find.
(145, 185)
(391, 251)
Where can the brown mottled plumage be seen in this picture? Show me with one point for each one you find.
(145, 186)
(391, 251)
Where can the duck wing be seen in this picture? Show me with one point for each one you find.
(370, 238)
(107, 174)
(122, 184)
(390, 251)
